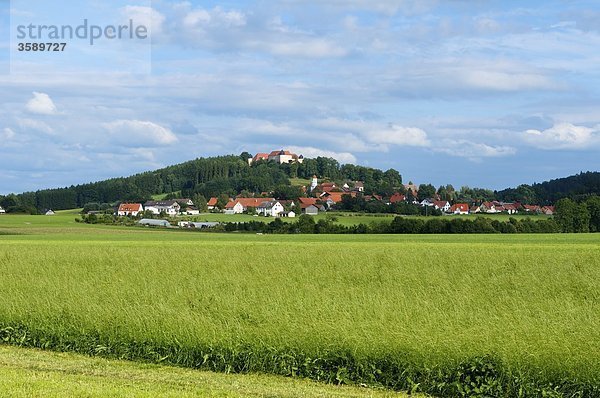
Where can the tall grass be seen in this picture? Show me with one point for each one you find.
(447, 315)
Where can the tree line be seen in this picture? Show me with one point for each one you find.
(224, 175)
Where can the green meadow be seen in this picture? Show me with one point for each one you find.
(26, 373)
(447, 315)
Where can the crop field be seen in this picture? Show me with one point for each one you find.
(448, 315)
(26, 373)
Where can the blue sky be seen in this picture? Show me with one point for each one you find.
(478, 93)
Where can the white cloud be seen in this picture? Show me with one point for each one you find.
(307, 47)
(137, 133)
(7, 134)
(199, 18)
(30, 124)
(564, 136)
(376, 136)
(310, 152)
(398, 135)
(473, 150)
(145, 16)
(42, 104)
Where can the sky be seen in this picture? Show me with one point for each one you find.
(479, 93)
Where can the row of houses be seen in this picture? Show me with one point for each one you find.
(494, 207)
(170, 208)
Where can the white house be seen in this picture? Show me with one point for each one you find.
(2, 211)
(169, 207)
(185, 201)
(212, 203)
(442, 205)
(129, 209)
(240, 205)
(49, 213)
(427, 202)
(270, 208)
(460, 208)
(192, 211)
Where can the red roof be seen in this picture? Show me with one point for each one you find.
(397, 197)
(307, 201)
(212, 201)
(130, 207)
(248, 202)
(440, 203)
(461, 207)
(260, 156)
(337, 196)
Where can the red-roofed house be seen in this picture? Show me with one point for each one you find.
(212, 203)
(307, 201)
(442, 205)
(397, 197)
(532, 208)
(510, 208)
(460, 208)
(130, 209)
(240, 205)
(257, 157)
(548, 210)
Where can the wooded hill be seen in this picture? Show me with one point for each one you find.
(205, 176)
(577, 187)
(231, 175)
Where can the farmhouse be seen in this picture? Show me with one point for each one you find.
(442, 205)
(185, 201)
(240, 205)
(460, 208)
(532, 208)
(169, 207)
(192, 211)
(397, 197)
(2, 211)
(309, 209)
(510, 208)
(548, 210)
(130, 209)
(270, 208)
(212, 203)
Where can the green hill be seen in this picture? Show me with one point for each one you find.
(204, 176)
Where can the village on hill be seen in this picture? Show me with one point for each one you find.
(318, 197)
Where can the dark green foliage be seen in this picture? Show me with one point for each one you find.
(574, 187)
(572, 217)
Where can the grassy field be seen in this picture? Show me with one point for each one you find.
(27, 373)
(447, 315)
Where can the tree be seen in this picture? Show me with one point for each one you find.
(245, 156)
(222, 201)
(392, 178)
(426, 191)
(572, 217)
(306, 224)
(200, 202)
(593, 205)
